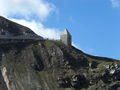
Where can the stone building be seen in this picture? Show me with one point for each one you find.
(66, 37)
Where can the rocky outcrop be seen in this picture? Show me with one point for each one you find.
(3, 85)
(5, 77)
(13, 28)
(50, 65)
(115, 86)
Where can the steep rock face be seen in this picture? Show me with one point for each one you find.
(2, 83)
(50, 65)
(14, 29)
(16, 69)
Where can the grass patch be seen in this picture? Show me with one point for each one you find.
(48, 43)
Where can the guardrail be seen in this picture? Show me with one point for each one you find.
(17, 39)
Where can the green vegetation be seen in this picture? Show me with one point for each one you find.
(48, 79)
(43, 62)
(48, 43)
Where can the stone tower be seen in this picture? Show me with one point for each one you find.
(65, 37)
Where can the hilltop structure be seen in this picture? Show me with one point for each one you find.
(66, 37)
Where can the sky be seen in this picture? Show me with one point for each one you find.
(93, 24)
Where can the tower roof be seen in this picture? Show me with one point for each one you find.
(66, 32)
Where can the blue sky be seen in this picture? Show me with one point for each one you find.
(94, 24)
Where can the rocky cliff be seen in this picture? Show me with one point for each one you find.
(10, 28)
(51, 65)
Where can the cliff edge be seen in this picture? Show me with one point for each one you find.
(51, 65)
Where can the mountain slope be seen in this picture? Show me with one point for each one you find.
(14, 28)
(50, 65)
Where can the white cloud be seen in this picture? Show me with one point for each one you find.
(40, 29)
(115, 3)
(30, 13)
(26, 9)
